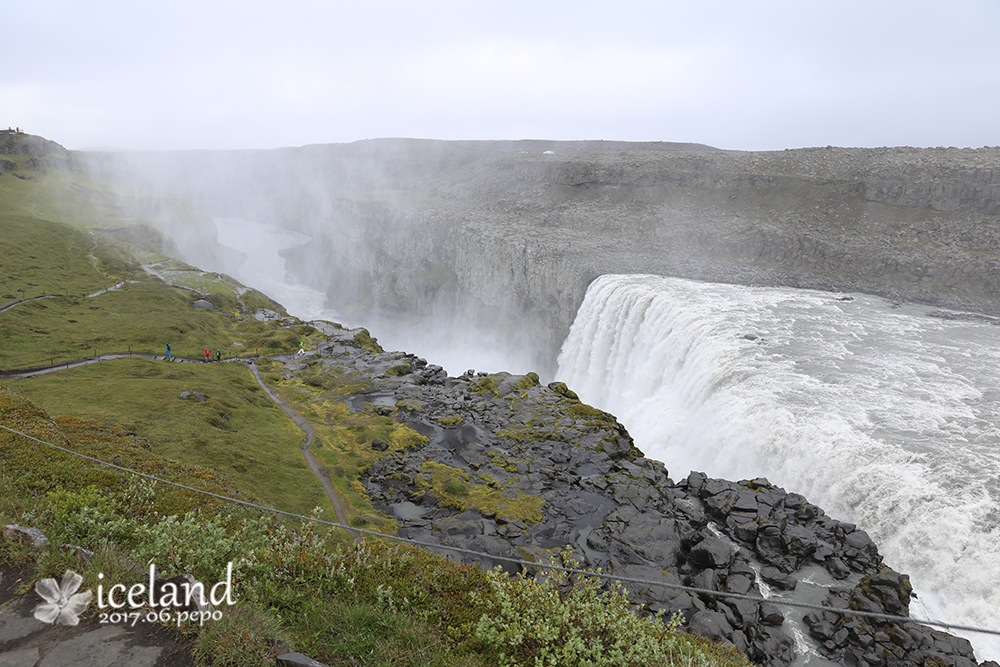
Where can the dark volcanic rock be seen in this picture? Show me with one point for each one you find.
(552, 475)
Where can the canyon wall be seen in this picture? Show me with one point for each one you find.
(507, 236)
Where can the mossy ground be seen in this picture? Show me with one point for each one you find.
(343, 438)
(42, 257)
(30, 470)
(238, 430)
(370, 604)
(462, 490)
(47, 258)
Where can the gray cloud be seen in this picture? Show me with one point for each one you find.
(732, 74)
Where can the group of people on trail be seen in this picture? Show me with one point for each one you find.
(218, 353)
(208, 355)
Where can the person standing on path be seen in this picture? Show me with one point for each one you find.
(218, 355)
(169, 358)
(208, 355)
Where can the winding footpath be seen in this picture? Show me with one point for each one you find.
(306, 449)
(11, 304)
(31, 371)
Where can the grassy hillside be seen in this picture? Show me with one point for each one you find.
(78, 279)
(237, 429)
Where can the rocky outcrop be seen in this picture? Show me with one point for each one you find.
(26, 535)
(12, 143)
(513, 469)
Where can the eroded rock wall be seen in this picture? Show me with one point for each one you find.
(509, 234)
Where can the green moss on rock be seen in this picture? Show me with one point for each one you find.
(410, 405)
(456, 488)
(528, 381)
(367, 342)
(561, 389)
(486, 384)
(400, 370)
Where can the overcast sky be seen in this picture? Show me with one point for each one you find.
(738, 74)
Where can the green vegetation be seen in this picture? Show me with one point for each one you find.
(399, 370)
(365, 340)
(567, 620)
(486, 384)
(237, 430)
(374, 603)
(142, 315)
(457, 489)
(528, 381)
(344, 439)
(42, 257)
(561, 389)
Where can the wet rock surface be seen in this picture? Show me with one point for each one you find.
(513, 469)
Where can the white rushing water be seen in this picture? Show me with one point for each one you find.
(883, 416)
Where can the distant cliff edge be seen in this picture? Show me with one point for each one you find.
(510, 234)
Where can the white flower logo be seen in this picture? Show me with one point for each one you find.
(60, 602)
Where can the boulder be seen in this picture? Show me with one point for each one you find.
(296, 659)
(712, 552)
(710, 624)
(31, 536)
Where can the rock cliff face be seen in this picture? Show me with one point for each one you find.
(509, 234)
(513, 240)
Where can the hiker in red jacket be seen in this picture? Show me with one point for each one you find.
(208, 355)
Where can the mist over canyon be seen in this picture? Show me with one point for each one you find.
(480, 254)
(498, 241)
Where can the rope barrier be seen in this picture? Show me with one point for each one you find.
(479, 554)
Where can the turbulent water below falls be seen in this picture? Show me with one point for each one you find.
(884, 416)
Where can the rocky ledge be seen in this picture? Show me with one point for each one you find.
(514, 469)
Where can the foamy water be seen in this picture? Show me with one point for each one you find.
(884, 417)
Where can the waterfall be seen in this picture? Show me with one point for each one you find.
(885, 417)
